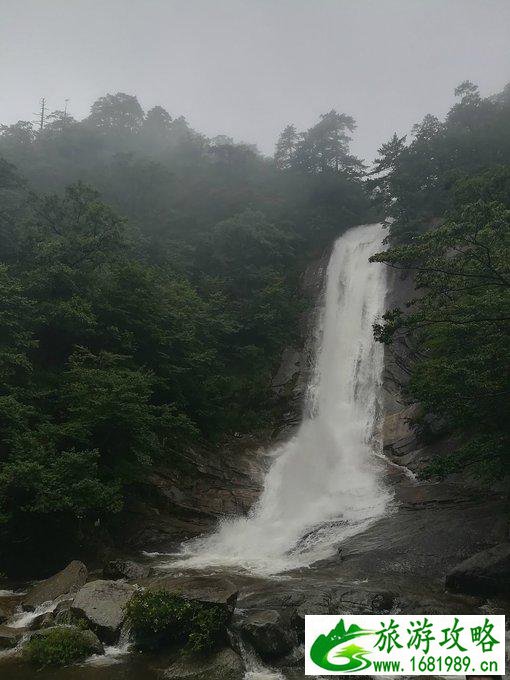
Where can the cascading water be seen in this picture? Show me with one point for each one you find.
(324, 484)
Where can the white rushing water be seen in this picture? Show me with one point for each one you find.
(324, 484)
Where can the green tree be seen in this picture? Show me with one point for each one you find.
(459, 323)
(325, 146)
(119, 113)
(286, 147)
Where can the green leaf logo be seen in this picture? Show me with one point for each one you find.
(352, 657)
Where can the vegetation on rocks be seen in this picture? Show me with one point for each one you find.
(158, 618)
(59, 646)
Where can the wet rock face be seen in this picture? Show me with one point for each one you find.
(399, 434)
(132, 571)
(9, 637)
(45, 620)
(342, 601)
(68, 580)
(103, 605)
(177, 503)
(288, 371)
(268, 633)
(225, 665)
(7, 607)
(486, 573)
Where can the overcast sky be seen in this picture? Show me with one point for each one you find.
(246, 68)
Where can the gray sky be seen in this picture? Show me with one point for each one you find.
(248, 67)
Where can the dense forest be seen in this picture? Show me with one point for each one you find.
(448, 194)
(149, 283)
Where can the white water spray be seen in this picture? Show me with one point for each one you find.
(324, 483)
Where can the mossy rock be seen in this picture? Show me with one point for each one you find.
(61, 646)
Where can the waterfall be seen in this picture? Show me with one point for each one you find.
(324, 484)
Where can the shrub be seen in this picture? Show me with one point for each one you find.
(58, 647)
(160, 618)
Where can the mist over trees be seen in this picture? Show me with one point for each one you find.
(448, 192)
(322, 148)
(149, 283)
(414, 180)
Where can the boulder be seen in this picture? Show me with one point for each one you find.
(62, 614)
(63, 605)
(316, 603)
(269, 635)
(9, 637)
(45, 620)
(103, 605)
(117, 569)
(7, 608)
(487, 573)
(94, 644)
(66, 618)
(224, 665)
(68, 580)
(204, 589)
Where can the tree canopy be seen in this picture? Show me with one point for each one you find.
(149, 282)
(448, 192)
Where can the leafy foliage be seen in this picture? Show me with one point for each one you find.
(149, 318)
(322, 148)
(61, 646)
(159, 618)
(413, 183)
(459, 323)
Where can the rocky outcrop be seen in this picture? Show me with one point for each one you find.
(290, 382)
(45, 620)
(268, 633)
(125, 569)
(203, 589)
(103, 605)
(487, 573)
(397, 356)
(66, 581)
(66, 618)
(177, 502)
(9, 637)
(288, 371)
(8, 606)
(89, 638)
(399, 431)
(224, 665)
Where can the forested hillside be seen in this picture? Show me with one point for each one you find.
(448, 192)
(149, 283)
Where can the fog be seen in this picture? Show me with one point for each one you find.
(248, 67)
